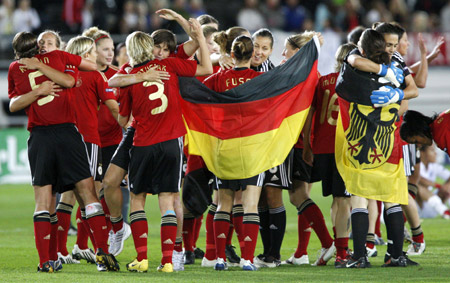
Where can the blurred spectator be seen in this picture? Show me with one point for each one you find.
(143, 16)
(6, 15)
(250, 17)
(399, 11)
(322, 17)
(420, 22)
(156, 22)
(196, 8)
(273, 14)
(87, 15)
(129, 21)
(120, 55)
(180, 7)
(72, 15)
(377, 13)
(353, 15)
(445, 18)
(295, 15)
(25, 18)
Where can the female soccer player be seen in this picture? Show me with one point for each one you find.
(155, 165)
(308, 211)
(423, 130)
(62, 163)
(378, 48)
(320, 153)
(241, 52)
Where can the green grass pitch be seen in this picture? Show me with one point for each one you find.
(18, 255)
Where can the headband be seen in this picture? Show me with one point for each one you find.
(101, 37)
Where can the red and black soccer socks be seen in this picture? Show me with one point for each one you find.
(42, 231)
(168, 237)
(210, 252)
(139, 230)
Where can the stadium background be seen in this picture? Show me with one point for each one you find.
(334, 18)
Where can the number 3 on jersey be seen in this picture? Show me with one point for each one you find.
(159, 94)
(32, 77)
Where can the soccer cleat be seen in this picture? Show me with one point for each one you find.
(409, 262)
(189, 257)
(325, 254)
(108, 260)
(271, 262)
(101, 267)
(86, 254)
(399, 262)
(379, 241)
(372, 252)
(57, 265)
(68, 259)
(199, 254)
(232, 257)
(116, 240)
(416, 248)
(208, 263)
(72, 230)
(221, 264)
(249, 266)
(258, 261)
(46, 267)
(304, 259)
(361, 262)
(168, 267)
(340, 262)
(138, 266)
(178, 260)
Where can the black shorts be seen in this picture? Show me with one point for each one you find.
(332, 183)
(301, 170)
(411, 156)
(156, 168)
(57, 157)
(121, 157)
(107, 154)
(280, 176)
(95, 161)
(240, 184)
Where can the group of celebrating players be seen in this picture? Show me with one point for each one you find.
(92, 124)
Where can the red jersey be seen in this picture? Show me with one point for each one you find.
(326, 105)
(223, 81)
(216, 69)
(108, 128)
(441, 131)
(48, 110)
(156, 107)
(91, 90)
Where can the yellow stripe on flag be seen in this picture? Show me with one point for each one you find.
(245, 157)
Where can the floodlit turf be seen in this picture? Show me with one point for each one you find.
(18, 255)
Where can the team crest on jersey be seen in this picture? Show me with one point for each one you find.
(79, 82)
(370, 135)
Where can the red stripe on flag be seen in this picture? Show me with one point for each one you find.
(250, 118)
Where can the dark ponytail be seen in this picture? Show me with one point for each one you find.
(374, 46)
(242, 48)
(225, 38)
(25, 45)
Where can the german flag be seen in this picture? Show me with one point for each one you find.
(251, 128)
(368, 148)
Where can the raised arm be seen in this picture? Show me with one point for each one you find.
(433, 55)
(204, 67)
(189, 46)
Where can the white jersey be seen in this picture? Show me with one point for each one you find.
(433, 171)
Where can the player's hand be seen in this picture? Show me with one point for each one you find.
(386, 95)
(308, 156)
(152, 75)
(30, 63)
(196, 31)
(320, 37)
(392, 74)
(168, 14)
(437, 49)
(226, 62)
(422, 47)
(49, 88)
